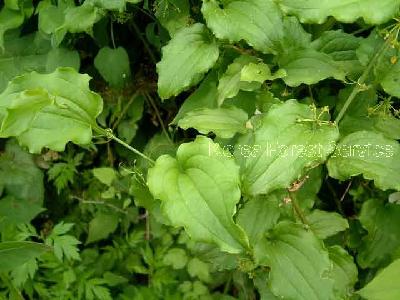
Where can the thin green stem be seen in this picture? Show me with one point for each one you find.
(361, 81)
(108, 133)
(124, 110)
(297, 208)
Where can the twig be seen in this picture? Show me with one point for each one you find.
(157, 112)
(361, 81)
(100, 203)
(346, 191)
(145, 44)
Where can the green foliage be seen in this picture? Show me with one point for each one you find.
(272, 172)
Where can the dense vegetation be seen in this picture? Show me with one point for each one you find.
(188, 149)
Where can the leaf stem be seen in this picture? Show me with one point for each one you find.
(109, 134)
(151, 101)
(359, 87)
(297, 208)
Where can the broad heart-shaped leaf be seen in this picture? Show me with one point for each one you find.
(344, 271)
(325, 224)
(385, 285)
(370, 154)
(49, 110)
(299, 263)
(225, 122)
(258, 22)
(186, 58)
(382, 221)
(199, 191)
(317, 11)
(113, 65)
(285, 142)
(309, 66)
(14, 254)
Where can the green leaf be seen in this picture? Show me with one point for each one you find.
(224, 122)
(173, 14)
(102, 226)
(65, 246)
(259, 215)
(22, 180)
(382, 221)
(341, 47)
(17, 211)
(113, 65)
(347, 11)
(32, 53)
(200, 191)
(9, 19)
(245, 73)
(370, 154)
(299, 263)
(15, 254)
(325, 224)
(176, 258)
(186, 58)
(66, 17)
(198, 268)
(204, 97)
(36, 106)
(105, 175)
(309, 66)
(385, 285)
(258, 22)
(288, 142)
(344, 271)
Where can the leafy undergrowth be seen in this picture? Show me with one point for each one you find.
(215, 149)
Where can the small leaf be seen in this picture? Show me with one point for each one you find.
(186, 58)
(198, 268)
(176, 258)
(102, 226)
(113, 65)
(48, 110)
(173, 14)
(224, 122)
(368, 153)
(105, 175)
(325, 224)
(385, 285)
(15, 254)
(258, 22)
(200, 191)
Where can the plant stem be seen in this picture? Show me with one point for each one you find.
(150, 100)
(129, 147)
(358, 88)
(124, 110)
(108, 133)
(145, 44)
(297, 208)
